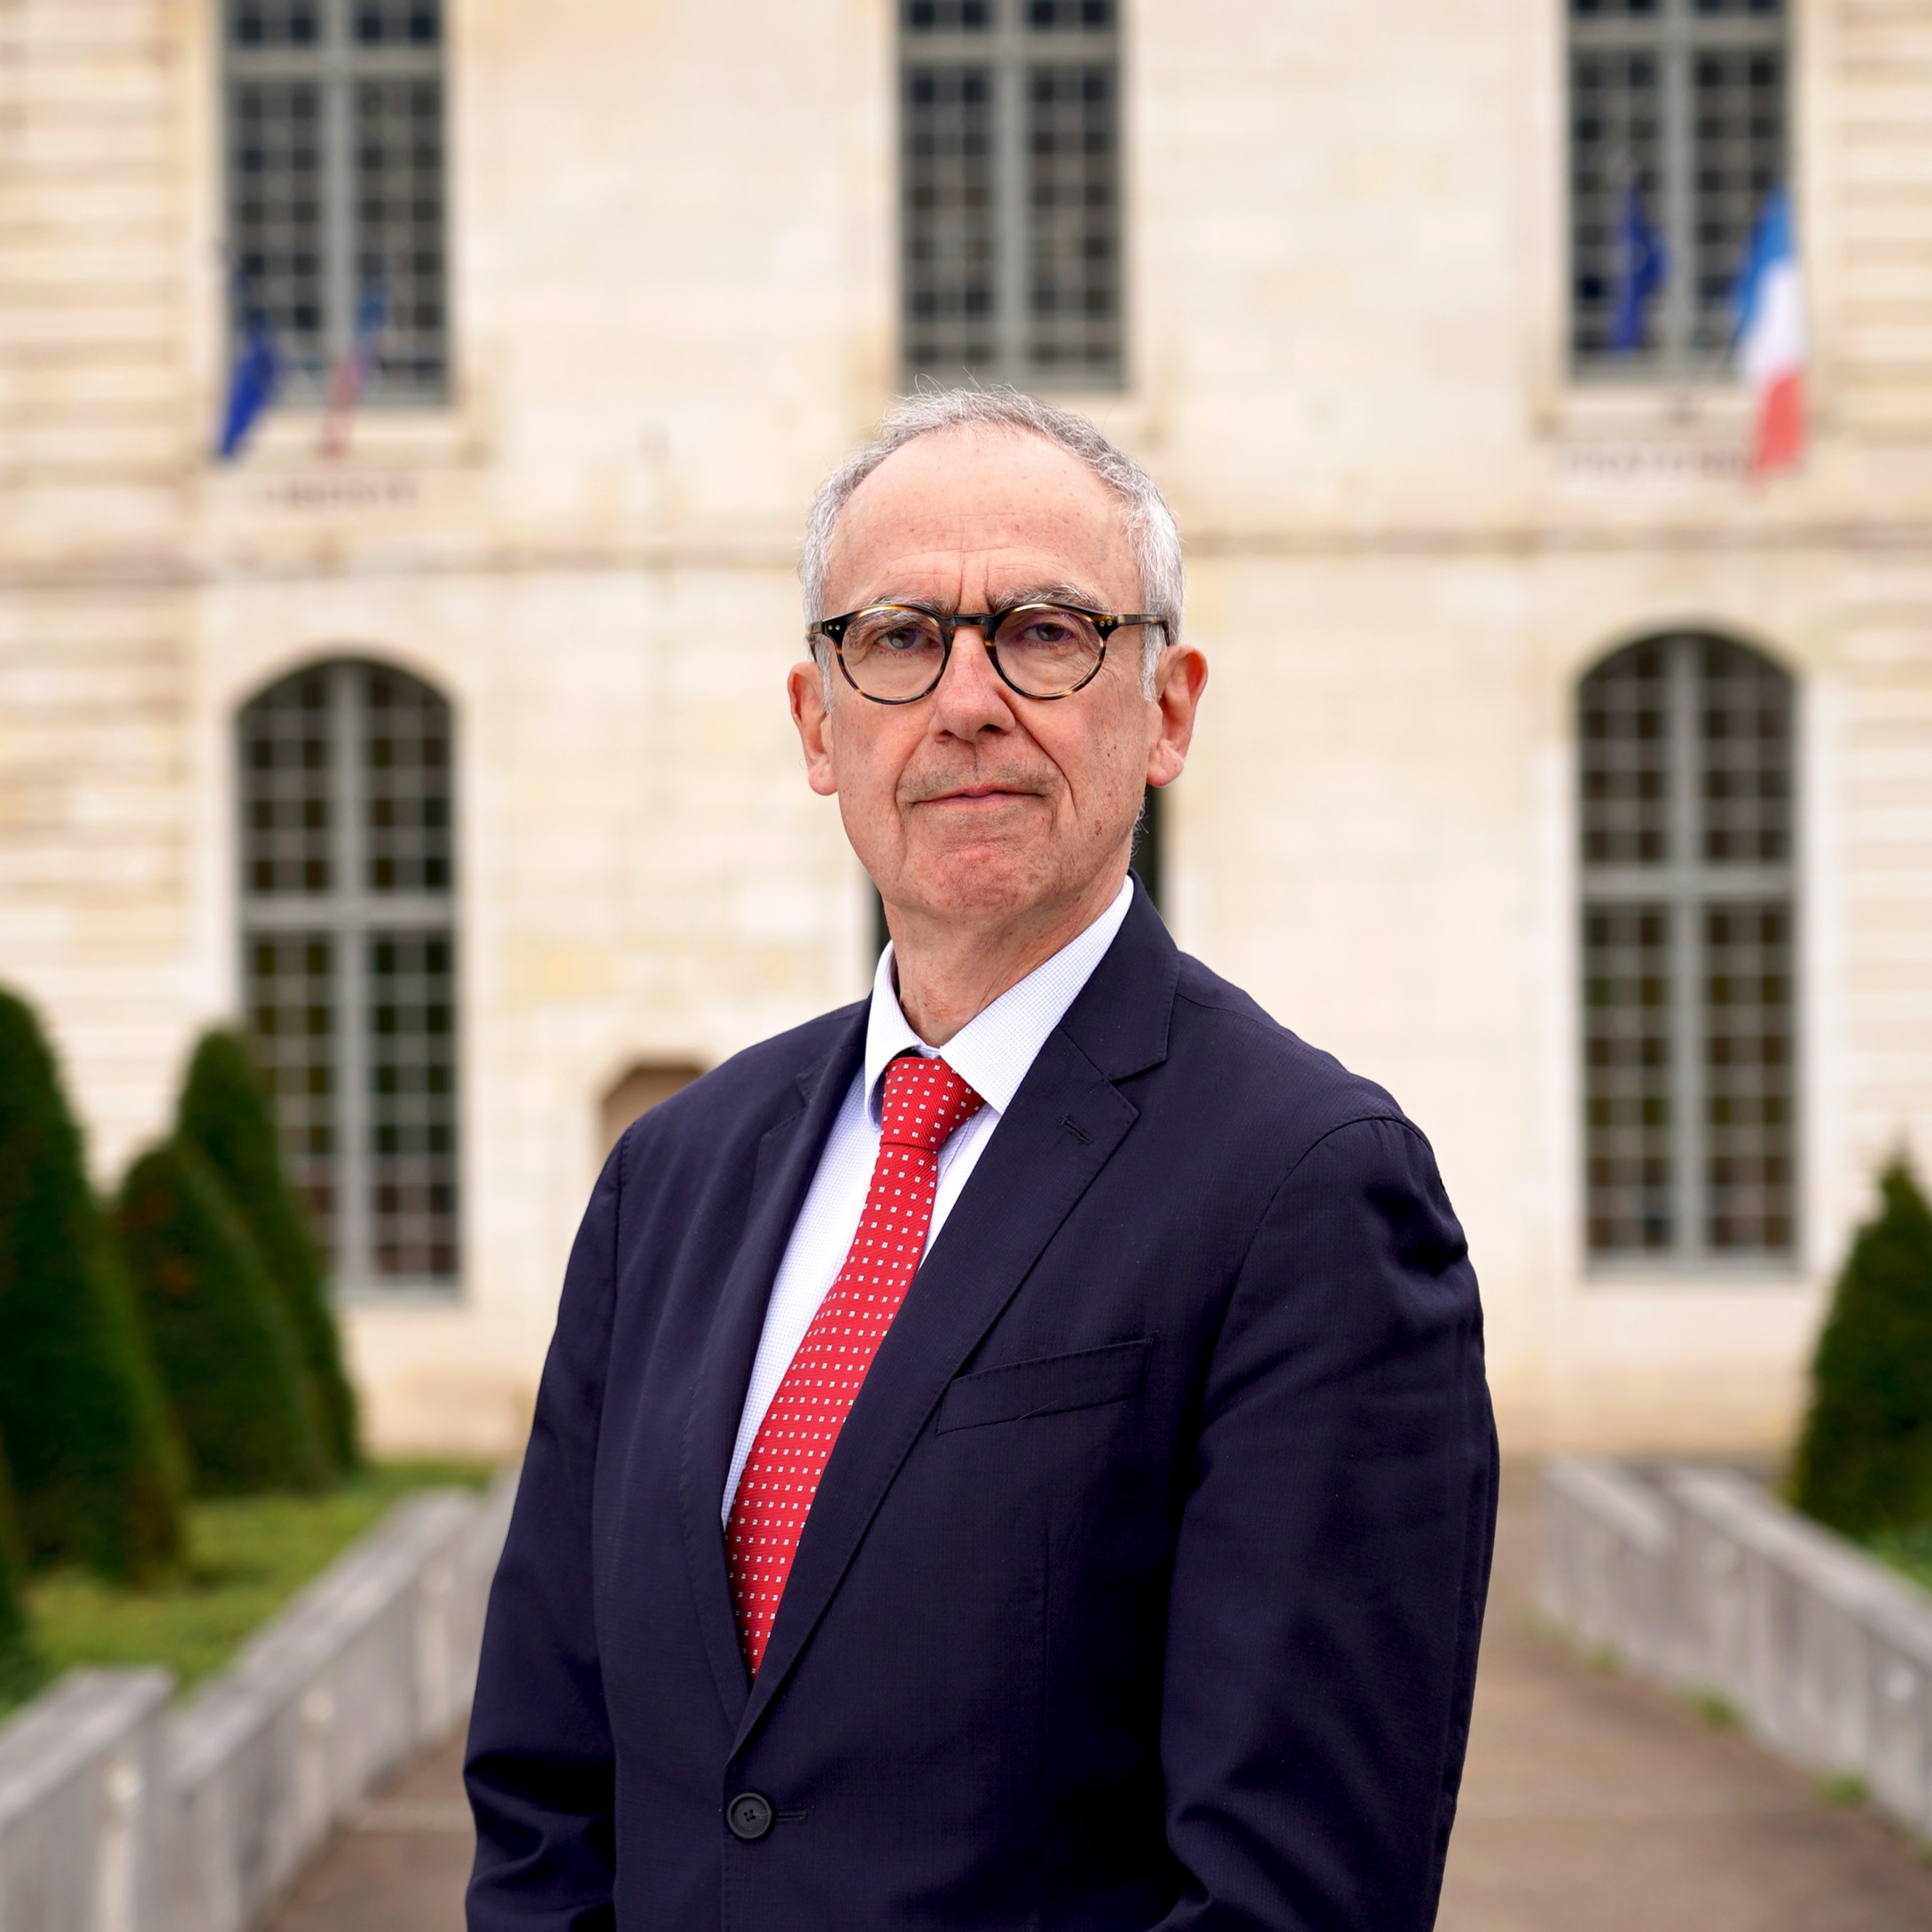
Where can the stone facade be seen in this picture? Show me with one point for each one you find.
(673, 297)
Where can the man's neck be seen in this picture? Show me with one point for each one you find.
(949, 973)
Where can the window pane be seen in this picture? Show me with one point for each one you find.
(399, 224)
(1055, 16)
(275, 213)
(1627, 1078)
(1737, 109)
(1745, 726)
(1624, 722)
(273, 23)
(412, 1106)
(406, 784)
(948, 16)
(289, 988)
(287, 788)
(1614, 10)
(398, 23)
(947, 217)
(1616, 107)
(1749, 1084)
(1075, 267)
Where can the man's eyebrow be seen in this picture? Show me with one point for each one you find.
(1030, 593)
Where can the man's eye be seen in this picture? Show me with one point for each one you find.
(901, 637)
(1044, 633)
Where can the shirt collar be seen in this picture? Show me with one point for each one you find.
(994, 1050)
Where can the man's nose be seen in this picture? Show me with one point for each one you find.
(971, 697)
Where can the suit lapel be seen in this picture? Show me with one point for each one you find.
(1063, 1126)
(787, 1157)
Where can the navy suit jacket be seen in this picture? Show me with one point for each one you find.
(1143, 1587)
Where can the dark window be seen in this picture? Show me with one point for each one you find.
(335, 187)
(1010, 191)
(1683, 102)
(348, 959)
(1689, 953)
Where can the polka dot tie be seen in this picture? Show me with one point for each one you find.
(925, 1100)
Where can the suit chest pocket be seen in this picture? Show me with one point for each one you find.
(1049, 1385)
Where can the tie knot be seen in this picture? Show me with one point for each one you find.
(924, 1101)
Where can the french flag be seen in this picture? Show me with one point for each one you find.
(1770, 337)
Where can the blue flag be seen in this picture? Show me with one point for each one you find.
(1772, 245)
(1642, 263)
(251, 388)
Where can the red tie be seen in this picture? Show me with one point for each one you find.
(925, 1100)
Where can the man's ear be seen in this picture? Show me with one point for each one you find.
(805, 683)
(1178, 681)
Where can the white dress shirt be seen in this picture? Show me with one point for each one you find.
(991, 1054)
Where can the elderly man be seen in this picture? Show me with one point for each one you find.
(1014, 1452)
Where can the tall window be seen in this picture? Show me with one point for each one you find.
(1679, 130)
(1688, 954)
(335, 162)
(349, 960)
(1010, 191)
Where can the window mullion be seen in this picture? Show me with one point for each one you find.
(1677, 301)
(1687, 1019)
(338, 180)
(1010, 188)
(350, 925)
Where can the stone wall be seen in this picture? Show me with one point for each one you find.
(117, 1815)
(1410, 531)
(1699, 1579)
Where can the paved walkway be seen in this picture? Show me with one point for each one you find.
(1592, 1804)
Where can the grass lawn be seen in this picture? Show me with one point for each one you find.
(247, 1556)
(1909, 1549)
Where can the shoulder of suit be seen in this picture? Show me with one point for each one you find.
(755, 1087)
(1262, 1067)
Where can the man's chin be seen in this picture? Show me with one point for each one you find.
(979, 878)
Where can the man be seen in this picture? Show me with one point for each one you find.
(1014, 1452)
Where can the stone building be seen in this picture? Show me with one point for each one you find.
(1554, 772)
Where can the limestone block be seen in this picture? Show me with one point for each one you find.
(1607, 1557)
(370, 1665)
(1701, 1579)
(84, 1807)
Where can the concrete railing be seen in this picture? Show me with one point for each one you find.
(1699, 1578)
(117, 1815)
(85, 1818)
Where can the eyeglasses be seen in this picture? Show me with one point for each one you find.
(896, 654)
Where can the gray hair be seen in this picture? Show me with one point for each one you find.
(1152, 532)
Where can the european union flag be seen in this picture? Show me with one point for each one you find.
(251, 388)
(1642, 263)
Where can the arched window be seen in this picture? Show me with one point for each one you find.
(1688, 866)
(635, 1091)
(349, 960)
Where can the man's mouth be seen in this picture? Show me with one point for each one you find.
(976, 794)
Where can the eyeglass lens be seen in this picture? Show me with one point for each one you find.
(894, 652)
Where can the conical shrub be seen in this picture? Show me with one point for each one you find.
(225, 1112)
(1864, 1462)
(97, 1467)
(17, 1668)
(227, 1350)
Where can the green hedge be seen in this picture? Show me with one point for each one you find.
(227, 1349)
(17, 1668)
(225, 1112)
(1864, 1462)
(97, 1467)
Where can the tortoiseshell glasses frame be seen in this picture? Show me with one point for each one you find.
(1052, 650)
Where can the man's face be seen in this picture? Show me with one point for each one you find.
(976, 802)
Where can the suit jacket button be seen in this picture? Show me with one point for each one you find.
(749, 1815)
